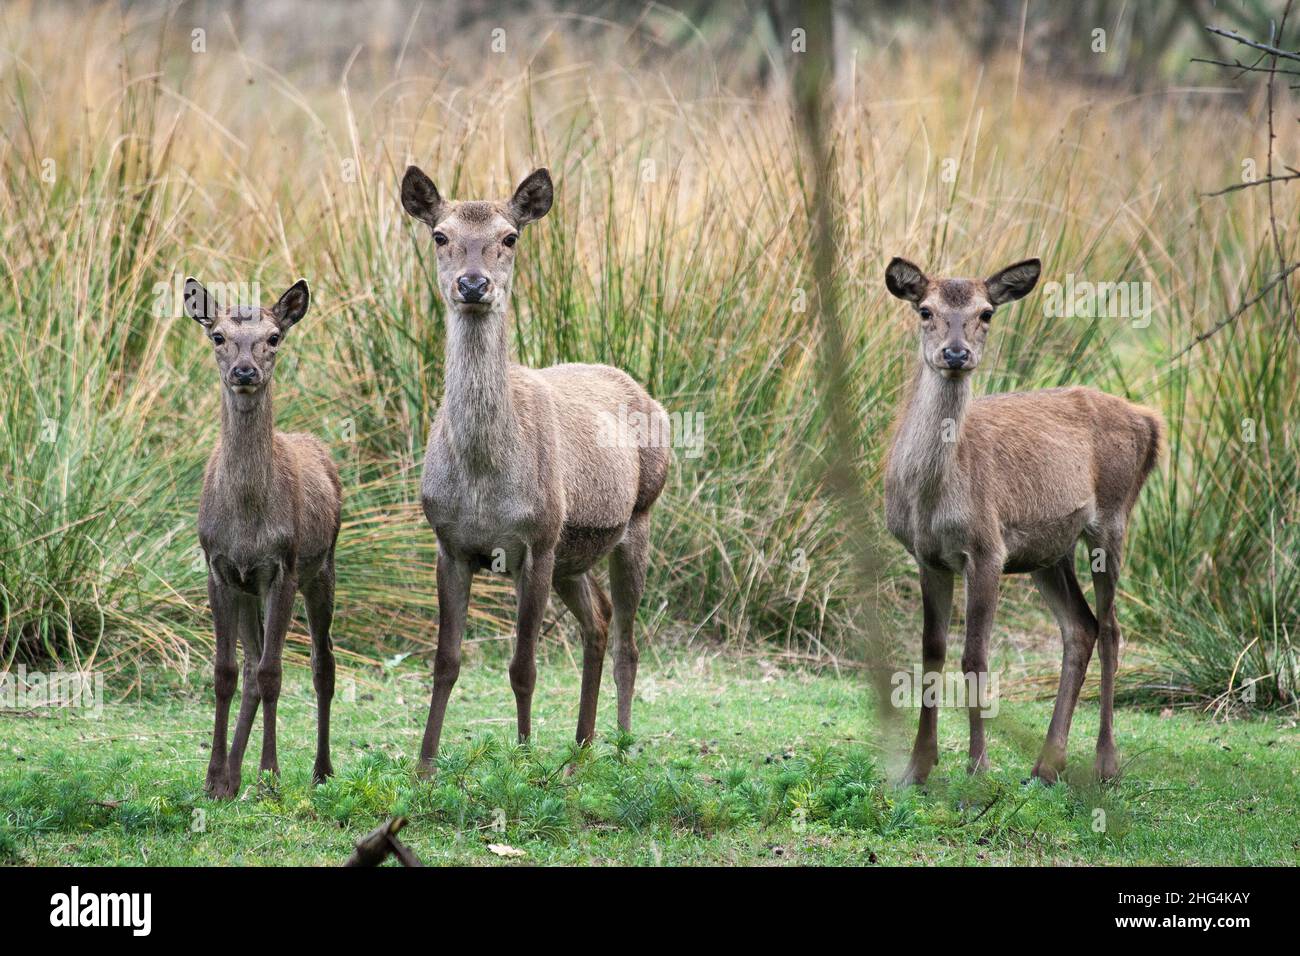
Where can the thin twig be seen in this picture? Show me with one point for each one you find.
(1254, 182)
(1272, 135)
(975, 819)
(550, 627)
(1244, 67)
(1232, 35)
(1238, 311)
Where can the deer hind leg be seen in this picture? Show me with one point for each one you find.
(627, 570)
(1106, 550)
(318, 595)
(533, 588)
(936, 604)
(1060, 589)
(225, 674)
(455, 575)
(250, 638)
(591, 608)
(983, 580)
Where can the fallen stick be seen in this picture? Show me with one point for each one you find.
(373, 848)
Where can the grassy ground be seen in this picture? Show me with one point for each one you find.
(735, 762)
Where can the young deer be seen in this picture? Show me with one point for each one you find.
(268, 520)
(1008, 484)
(520, 475)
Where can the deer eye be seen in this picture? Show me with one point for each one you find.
(986, 315)
(510, 240)
(218, 338)
(439, 238)
(926, 314)
(273, 340)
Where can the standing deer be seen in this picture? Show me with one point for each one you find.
(520, 474)
(268, 521)
(1008, 484)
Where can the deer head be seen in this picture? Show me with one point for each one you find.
(955, 313)
(475, 240)
(245, 339)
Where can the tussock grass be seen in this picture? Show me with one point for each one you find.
(676, 250)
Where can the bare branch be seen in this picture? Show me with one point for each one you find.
(1244, 67)
(1253, 182)
(1280, 277)
(1237, 37)
(1272, 136)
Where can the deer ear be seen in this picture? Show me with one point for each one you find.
(292, 305)
(420, 197)
(532, 200)
(1013, 282)
(198, 302)
(906, 280)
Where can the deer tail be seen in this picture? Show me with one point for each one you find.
(1155, 444)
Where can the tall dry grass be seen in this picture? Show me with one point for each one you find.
(676, 249)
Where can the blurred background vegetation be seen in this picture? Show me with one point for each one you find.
(255, 143)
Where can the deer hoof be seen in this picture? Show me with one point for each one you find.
(216, 780)
(321, 772)
(980, 765)
(1046, 772)
(221, 789)
(1107, 766)
(915, 775)
(1051, 763)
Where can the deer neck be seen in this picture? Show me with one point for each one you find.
(924, 459)
(480, 410)
(247, 447)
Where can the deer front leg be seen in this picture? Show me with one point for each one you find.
(532, 587)
(983, 579)
(455, 575)
(224, 678)
(936, 604)
(249, 623)
(279, 609)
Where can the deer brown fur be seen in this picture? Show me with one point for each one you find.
(519, 475)
(268, 522)
(1005, 484)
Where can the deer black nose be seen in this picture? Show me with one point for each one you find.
(244, 375)
(956, 358)
(472, 288)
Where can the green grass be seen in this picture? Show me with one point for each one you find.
(734, 762)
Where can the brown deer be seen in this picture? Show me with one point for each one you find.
(521, 475)
(268, 522)
(1007, 484)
